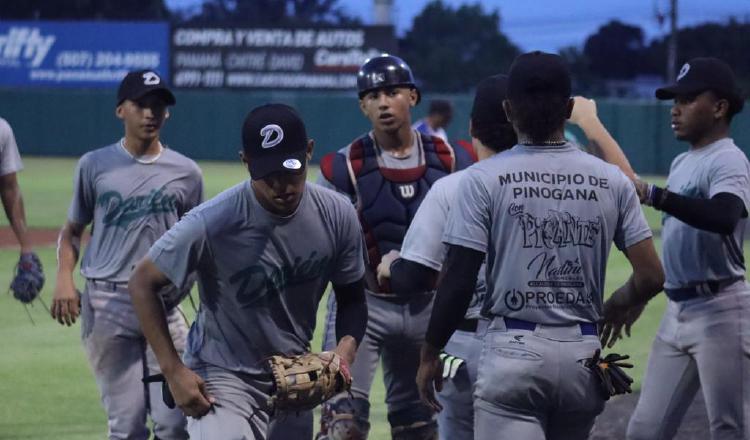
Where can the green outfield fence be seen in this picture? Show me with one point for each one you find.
(206, 124)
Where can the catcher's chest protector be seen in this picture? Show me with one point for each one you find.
(387, 198)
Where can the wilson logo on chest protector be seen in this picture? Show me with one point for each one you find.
(407, 191)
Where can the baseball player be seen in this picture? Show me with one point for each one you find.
(10, 195)
(544, 214)
(264, 252)
(438, 117)
(131, 191)
(422, 254)
(703, 341)
(387, 173)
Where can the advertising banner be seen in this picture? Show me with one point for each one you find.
(286, 58)
(79, 54)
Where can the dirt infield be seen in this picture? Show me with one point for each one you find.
(39, 237)
(613, 422)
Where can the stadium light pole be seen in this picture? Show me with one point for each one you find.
(672, 44)
(383, 12)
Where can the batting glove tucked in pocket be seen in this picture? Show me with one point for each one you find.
(451, 364)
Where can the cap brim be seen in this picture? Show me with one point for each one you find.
(669, 92)
(263, 166)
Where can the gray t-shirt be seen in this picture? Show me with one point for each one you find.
(131, 205)
(692, 255)
(546, 217)
(260, 276)
(423, 244)
(10, 160)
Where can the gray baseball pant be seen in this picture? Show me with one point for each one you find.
(456, 420)
(120, 357)
(533, 385)
(702, 343)
(240, 411)
(395, 333)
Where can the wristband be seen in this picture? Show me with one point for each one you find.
(656, 196)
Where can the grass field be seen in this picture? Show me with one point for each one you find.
(46, 387)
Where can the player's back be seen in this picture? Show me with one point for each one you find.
(552, 214)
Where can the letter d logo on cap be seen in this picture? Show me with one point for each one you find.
(151, 79)
(272, 135)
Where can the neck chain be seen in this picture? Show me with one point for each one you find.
(548, 143)
(146, 160)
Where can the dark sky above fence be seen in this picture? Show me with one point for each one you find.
(551, 24)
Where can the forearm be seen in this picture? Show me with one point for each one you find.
(718, 214)
(604, 146)
(351, 318)
(408, 276)
(68, 249)
(639, 289)
(13, 205)
(148, 307)
(453, 295)
(351, 311)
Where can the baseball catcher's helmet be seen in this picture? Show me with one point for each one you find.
(384, 71)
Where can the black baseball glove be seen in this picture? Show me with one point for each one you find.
(29, 278)
(608, 370)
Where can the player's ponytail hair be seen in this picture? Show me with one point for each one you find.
(539, 115)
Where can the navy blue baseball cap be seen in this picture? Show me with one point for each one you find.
(701, 74)
(140, 83)
(274, 139)
(538, 72)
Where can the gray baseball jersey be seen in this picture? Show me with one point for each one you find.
(545, 216)
(260, 276)
(131, 205)
(692, 255)
(422, 243)
(10, 160)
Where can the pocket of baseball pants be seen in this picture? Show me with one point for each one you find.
(511, 377)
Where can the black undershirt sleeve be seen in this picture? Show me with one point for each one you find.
(351, 310)
(454, 293)
(718, 214)
(408, 276)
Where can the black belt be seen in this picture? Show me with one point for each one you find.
(587, 328)
(468, 325)
(704, 289)
(109, 286)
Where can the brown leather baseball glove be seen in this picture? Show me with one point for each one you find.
(305, 381)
